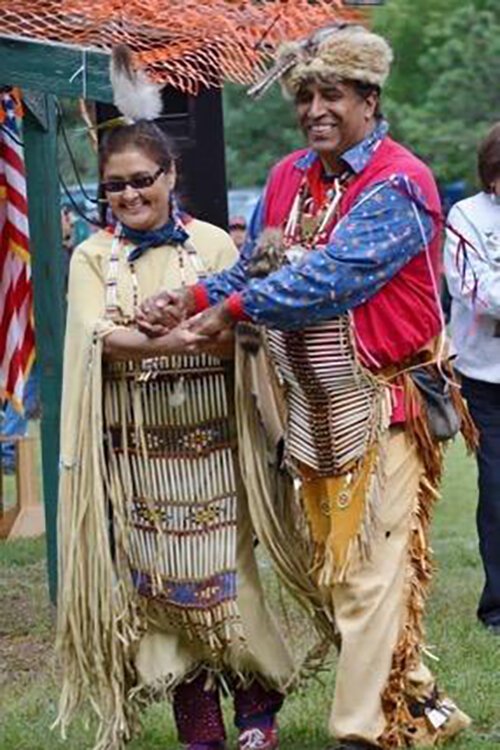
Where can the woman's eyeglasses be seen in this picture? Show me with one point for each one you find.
(141, 182)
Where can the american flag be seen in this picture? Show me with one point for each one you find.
(17, 340)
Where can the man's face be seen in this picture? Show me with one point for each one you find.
(333, 116)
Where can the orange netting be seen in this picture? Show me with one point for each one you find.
(185, 43)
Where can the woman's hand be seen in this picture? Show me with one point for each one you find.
(129, 343)
(162, 312)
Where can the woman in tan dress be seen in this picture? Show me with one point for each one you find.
(159, 589)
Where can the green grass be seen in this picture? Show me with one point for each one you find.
(469, 658)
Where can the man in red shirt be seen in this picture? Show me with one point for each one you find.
(336, 293)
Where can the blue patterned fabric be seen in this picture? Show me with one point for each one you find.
(170, 234)
(203, 594)
(380, 235)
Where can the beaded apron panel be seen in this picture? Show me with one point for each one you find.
(332, 400)
(167, 422)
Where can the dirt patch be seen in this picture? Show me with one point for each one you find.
(26, 631)
(23, 658)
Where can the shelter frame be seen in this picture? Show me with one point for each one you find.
(44, 71)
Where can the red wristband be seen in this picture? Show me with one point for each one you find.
(200, 297)
(234, 306)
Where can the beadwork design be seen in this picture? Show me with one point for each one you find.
(170, 448)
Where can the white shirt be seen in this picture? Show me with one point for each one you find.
(475, 323)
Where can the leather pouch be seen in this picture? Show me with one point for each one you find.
(444, 420)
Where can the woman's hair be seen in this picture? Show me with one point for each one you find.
(488, 158)
(144, 136)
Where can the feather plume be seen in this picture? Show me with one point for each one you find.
(278, 70)
(289, 56)
(134, 94)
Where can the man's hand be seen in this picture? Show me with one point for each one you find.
(212, 322)
(162, 312)
(181, 340)
(221, 346)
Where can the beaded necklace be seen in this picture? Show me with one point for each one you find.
(113, 311)
(307, 225)
(117, 248)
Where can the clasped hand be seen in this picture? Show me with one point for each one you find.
(165, 311)
(162, 312)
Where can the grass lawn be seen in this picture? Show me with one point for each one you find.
(469, 658)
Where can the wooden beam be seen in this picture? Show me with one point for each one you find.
(53, 68)
(48, 284)
(36, 102)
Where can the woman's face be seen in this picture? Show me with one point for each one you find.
(141, 208)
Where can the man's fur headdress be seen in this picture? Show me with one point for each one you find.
(343, 51)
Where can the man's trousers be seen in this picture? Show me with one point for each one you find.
(370, 609)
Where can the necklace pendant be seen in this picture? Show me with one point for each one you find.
(308, 226)
(177, 394)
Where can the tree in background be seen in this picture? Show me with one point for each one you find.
(257, 134)
(441, 99)
(84, 156)
(443, 95)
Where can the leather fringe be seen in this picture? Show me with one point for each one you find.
(217, 628)
(99, 617)
(407, 655)
(469, 431)
(397, 693)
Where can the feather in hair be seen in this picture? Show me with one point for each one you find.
(134, 94)
(276, 71)
(291, 54)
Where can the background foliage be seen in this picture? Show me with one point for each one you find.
(442, 97)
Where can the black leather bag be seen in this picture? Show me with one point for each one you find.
(444, 420)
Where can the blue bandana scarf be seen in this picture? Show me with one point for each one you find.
(171, 233)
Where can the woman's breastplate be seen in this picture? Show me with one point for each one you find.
(168, 422)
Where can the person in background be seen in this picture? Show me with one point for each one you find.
(475, 328)
(68, 244)
(238, 230)
(15, 424)
(67, 222)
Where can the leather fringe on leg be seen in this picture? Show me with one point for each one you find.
(397, 694)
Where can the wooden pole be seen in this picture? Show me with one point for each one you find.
(40, 140)
(55, 68)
